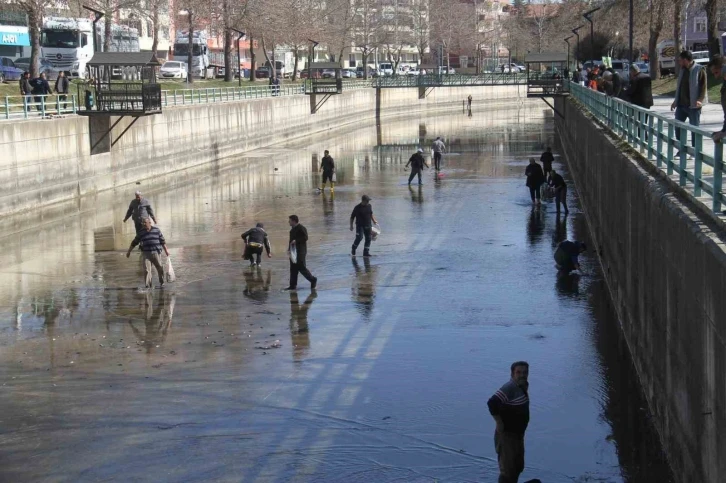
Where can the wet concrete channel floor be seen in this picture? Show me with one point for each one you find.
(382, 375)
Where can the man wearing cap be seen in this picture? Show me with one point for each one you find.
(328, 167)
(139, 208)
(364, 219)
(417, 163)
(255, 240)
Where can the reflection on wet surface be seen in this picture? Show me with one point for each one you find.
(382, 375)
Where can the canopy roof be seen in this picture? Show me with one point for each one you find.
(546, 57)
(124, 58)
(326, 65)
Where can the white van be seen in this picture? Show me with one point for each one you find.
(386, 68)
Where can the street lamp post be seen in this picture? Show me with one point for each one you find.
(239, 57)
(567, 41)
(190, 17)
(574, 31)
(630, 33)
(588, 16)
(97, 16)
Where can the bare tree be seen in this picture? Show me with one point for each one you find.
(451, 25)
(367, 29)
(34, 9)
(301, 21)
(542, 20)
(712, 17)
(339, 27)
(658, 13)
(110, 8)
(420, 31)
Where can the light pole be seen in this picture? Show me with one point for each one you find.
(311, 57)
(98, 16)
(630, 33)
(189, 14)
(239, 57)
(588, 16)
(567, 41)
(574, 31)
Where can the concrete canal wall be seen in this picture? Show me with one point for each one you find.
(665, 265)
(47, 161)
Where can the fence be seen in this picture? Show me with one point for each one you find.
(697, 167)
(22, 107)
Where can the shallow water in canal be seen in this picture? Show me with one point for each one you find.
(382, 375)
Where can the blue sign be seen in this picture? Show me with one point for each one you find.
(14, 36)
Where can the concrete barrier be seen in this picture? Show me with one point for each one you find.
(48, 161)
(665, 264)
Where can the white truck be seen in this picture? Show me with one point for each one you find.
(67, 43)
(667, 56)
(200, 52)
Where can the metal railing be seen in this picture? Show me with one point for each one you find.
(28, 107)
(451, 80)
(697, 165)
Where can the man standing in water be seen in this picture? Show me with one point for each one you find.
(558, 183)
(152, 242)
(438, 148)
(417, 163)
(535, 178)
(139, 209)
(299, 241)
(364, 219)
(546, 159)
(257, 241)
(509, 407)
(327, 165)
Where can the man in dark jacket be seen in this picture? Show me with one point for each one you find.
(639, 92)
(558, 183)
(546, 159)
(255, 241)
(62, 85)
(327, 165)
(364, 219)
(40, 88)
(566, 255)
(25, 88)
(535, 179)
(716, 65)
(509, 407)
(139, 208)
(417, 163)
(299, 241)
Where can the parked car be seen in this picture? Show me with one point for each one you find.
(8, 70)
(263, 72)
(446, 70)
(413, 71)
(328, 73)
(173, 70)
(622, 67)
(644, 67)
(348, 73)
(510, 68)
(23, 63)
(385, 68)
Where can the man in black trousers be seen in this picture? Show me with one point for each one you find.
(299, 241)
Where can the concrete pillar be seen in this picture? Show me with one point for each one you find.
(98, 128)
(104, 239)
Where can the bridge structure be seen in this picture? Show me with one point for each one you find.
(450, 80)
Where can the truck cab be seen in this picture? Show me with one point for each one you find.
(200, 52)
(67, 43)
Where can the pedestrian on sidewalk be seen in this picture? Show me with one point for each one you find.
(716, 65)
(139, 209)
(327, 165)
(639, 91)
(438, 148)
(364, 220)
(256, 240)
(468, 102)
(558, 183)
(152, 242)
(546, 159)
(567, 255)
(535, 179)
(41, 88)
(417, 163)
(690, 93)
(299, 242)
(509, 407)
(25, 89)
(62, 85)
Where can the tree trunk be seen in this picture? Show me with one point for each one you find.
(107, 21)
(270, 63)
(253, 59)
(35, 21)
(190, 73)
(228, 72)
(155, 22)
(364, 59)
(653, 54)
(712, 27)
(677, 14)
(296, 57)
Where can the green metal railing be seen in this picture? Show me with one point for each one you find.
(450, 80)
(22, 107)
(27, 107)
(685, 153)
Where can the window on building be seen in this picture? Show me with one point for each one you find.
(699, 25)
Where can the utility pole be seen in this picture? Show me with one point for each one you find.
(98, 16)
(241, 35)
